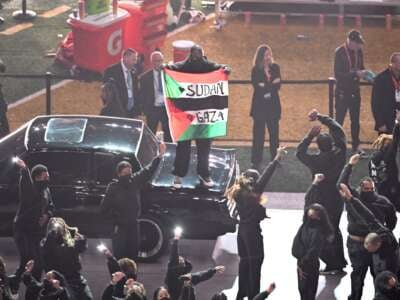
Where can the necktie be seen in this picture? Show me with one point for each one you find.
(129, 86)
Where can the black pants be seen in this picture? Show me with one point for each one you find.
(349, 102)
(182, 158)
(159, 114)
(251, 254)
(259, 136)
(125, 241)
(28, 245)
(309, 284)
(333, 253)
(361, 260)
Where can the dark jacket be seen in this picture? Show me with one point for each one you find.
(347, 80)
(329, 163)
(382, 290)
(308, 243)
(265, 108)
(116, 72)
(4, 126)
(190, 66)
(250, 211)
(33, 203)
(386, 258)
(63, 258)
(147, 91)
(383, 101)
(380, 206)
(383, 167)
(122, 201)
(113, 110)
(45, 291)
(8, 286)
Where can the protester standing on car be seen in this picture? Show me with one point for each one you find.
(195, 63)
(34, 210)
(61, 249)
(122, 202)
(247, 194)
(329, 162)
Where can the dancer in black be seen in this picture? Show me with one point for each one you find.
(329, 161)
(307, 247)
(247, 194)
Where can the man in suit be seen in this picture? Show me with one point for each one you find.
(385, 98)
(125, 76)
(152, 96)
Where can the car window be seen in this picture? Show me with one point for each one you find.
(65, 168)
(65, 130)
(148, 147)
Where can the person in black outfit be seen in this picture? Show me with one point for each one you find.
(329, 162)
(53, 286)
(61, 249)
(111, 102)
(120, 271)
(266, 104)
(348, 69)
(385, 99)
(125, 76)
(383, 165)
(122, 202)
(387, 286)
(178, 272)
(382, 209)
(8, 283)
(195, 63)
(246, 192)
(307, 247)
(152, 95)
(380, 240)
(4, 126)
(34, 210)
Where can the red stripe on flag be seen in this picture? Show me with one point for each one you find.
(211, 77)
(179, 121)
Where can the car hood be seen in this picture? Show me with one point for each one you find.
(223, 169)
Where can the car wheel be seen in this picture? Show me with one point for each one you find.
(152, 238)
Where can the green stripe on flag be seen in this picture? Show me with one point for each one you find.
(172, 87)
(204, 131)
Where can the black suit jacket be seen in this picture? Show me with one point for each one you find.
(261, 108)
(116, 72)
(147, 92)
(383, 101)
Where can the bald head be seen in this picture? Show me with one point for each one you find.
(157, 59)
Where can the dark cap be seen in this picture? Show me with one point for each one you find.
(355, 36)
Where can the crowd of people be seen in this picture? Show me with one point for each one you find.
(48, 245)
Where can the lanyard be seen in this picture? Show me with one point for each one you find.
(349, 58)
(396, 82)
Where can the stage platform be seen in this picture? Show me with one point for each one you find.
(369, 8)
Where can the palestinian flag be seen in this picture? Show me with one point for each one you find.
(197, 104)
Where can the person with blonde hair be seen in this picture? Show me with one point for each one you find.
(383, 168)
(247, 193)
(265, 105)
(61, 249)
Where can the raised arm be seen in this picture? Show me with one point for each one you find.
(345, 175)
(301, 152)
(145, 174)
(313, 194)
(268, 171)
(336, 131)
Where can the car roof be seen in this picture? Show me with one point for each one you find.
(83, 132)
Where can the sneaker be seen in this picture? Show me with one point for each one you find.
(177, 182)
(206, 181)
(332, 272)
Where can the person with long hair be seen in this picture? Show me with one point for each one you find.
(111, 101)
(61, 249)
(307, 247)
(266, 105)
(246, 193)
(383, 167)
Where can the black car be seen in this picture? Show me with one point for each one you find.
(81, 153)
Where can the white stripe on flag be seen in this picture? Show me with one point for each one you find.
(204, 90)
(208, 116)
